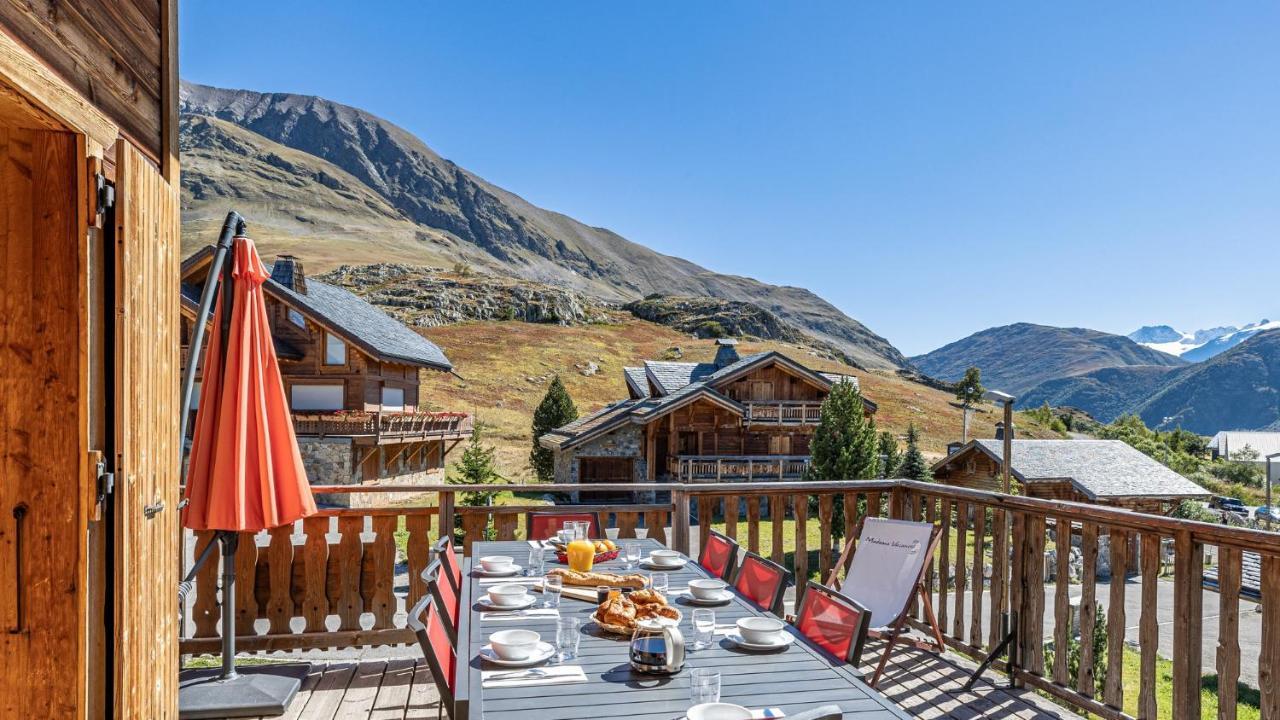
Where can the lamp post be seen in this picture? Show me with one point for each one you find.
(1268, 515)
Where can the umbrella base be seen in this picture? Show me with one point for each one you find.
(260, 690)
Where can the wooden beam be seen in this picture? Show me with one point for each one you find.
(43, 91)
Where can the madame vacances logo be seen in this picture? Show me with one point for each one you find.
(911, 548)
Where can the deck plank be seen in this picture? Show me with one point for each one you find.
(393, 695)
(424, 696)
(361, 693)
(326, 697)
(309, 683)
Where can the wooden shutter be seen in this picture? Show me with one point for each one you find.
(146, 492)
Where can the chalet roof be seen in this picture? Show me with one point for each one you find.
(1097, 468)
(1233, 441)
(671, 376)
(588, 426)
(373, 331)
(636, 381)
(189, 297)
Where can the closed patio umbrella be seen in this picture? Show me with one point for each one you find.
(245, 473)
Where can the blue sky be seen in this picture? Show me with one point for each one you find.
(931, 169)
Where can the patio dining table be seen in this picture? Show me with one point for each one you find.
(799, 677)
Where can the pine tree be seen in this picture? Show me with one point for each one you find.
(913, 465)
(969, 392)
(888, 454)
(843, 445)
(475, 468)
(555, 410)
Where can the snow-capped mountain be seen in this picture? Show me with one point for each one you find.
(1201, 344)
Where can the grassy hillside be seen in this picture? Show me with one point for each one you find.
(506, 367)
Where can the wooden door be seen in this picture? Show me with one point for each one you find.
(146, 493)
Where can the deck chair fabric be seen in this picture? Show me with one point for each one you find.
(763, 582)
(426, 622)
(449, 560)
(445, 598)
(833, 622)
(719, 556)
(542, 525)
(886, 573)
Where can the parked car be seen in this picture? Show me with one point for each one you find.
(1264, 512)
(1219, 502)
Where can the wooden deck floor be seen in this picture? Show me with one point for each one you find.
(923, 684)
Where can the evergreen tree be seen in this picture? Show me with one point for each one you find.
(969, 392)
(913, 465)
(888, 454)
(475, 468)
(555, 410)
(843, 445)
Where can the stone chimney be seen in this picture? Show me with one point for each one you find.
(288, 272)
(726, 352)
(1000, 431)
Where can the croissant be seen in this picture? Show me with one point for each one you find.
(647, 597)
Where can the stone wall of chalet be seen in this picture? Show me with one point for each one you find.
(333, 461)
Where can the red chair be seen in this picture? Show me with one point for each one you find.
(540, 525)
(719, 556)
(763, 582)
(449, 562)
(445, 598)
(833, 622)
(427, 624)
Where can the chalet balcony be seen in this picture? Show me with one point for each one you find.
(783, 412)
(382, 428)
(740, 467)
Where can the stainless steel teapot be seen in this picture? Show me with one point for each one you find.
(657, 647)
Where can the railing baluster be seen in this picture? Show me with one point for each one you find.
(505, 523)
(1032, 592)
(801, 509)
(1269, 655)
(1187, 599)
(962, 525)
(753, 524)
(315, 572)
(627, 524)
(280, 562)
(383, 559)
(731, 507)
(1088, 606)
(204, 609)
(777, 517)
(349, 565)
(975, 584)
(826, 511)
(705, 515)
(931, 517)
(246, 583)
(1228, 655)
(1062, 603)
(418, 551)
(944, 566)
(1113, 687)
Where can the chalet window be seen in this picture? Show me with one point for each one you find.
(296, 318)
(335, 351)
(392, 398)
(316, 397)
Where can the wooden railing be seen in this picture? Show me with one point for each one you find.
(698, 468)
(385, 426)
(783, 412)
(333, 583)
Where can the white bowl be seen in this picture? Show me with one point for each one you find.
(667, 558)
(514, 644)
(707, 589)
(496, 563)
(760, 630)
(718, 711)
(507, 594)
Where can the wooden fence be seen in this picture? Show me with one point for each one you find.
(336, 589)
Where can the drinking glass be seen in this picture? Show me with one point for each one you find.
(658, 582)
(611, 533)
(633, 554)
(551, 587)
(581, 529)
(533, 567)
(704, 685)
(567, 637)
(704, 628)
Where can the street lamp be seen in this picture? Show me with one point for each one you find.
(1007, 400)
(1268, 515)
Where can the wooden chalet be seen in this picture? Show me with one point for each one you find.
(89, 256)
(352, 376)
(1104, 472)
(739, 418)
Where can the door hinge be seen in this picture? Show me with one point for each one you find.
(106, 481)
(106, 193)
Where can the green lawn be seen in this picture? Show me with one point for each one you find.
(1247, 707)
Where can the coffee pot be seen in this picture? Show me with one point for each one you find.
(657, 647)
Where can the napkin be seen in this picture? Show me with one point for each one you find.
(550, 675)
(530, 614)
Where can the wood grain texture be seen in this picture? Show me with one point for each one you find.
(961, 572)
(1088, 606)
(347, 559)
(800, 507)
(944, 565)
(1061, 604)
(1228, 650)
(1269, 658)
(418, 551)
(1113, 685)
(1187, 592)
(826, 510)
(778, 514)
(382, 601)
(280, 605)
(753, 524)
(1149, 626)
(975, 581)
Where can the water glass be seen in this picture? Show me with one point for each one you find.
(567, 636)
(658, 582)
(533, 567)
(704, 685)
(704, 628)
(633, 554)
(611, 533)
(551, 587)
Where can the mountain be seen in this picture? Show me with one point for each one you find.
(1106, 393)
(1237, 389)
(1016, 358)
(1201, 344)
(338, 185)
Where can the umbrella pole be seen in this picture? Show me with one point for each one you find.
(230, 541)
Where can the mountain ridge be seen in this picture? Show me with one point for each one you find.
(406, 203)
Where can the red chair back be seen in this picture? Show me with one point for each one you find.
(833, 622)
(449, 561)
(446, 599)
(427, 624)
(762, 582)
(719, 556)
(542, 525)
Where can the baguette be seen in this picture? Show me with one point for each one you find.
(594, 579)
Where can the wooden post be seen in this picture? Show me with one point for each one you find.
(1113, 687)
(1269, 657)
(446, 514)
(1228, 655)
(680, 520)
(1088, 606)
(1188, 560)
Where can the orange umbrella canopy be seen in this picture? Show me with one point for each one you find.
(245, 470)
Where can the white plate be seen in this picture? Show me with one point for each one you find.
(529, 600)
(544, 652)
(654, 566)
(513, 570)
(725, 596)
(785, 640)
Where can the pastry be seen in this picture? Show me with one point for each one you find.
(596, 579)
